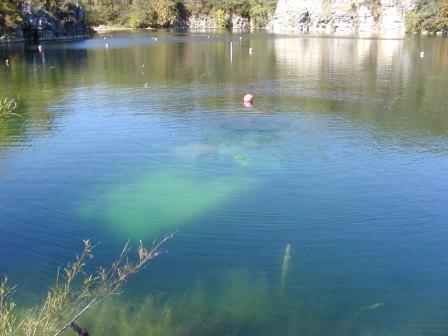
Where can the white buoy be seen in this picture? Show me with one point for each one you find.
(248, 98)
(251, 51)
(231, 52)
(422, 54)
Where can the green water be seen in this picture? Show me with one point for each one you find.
(320, 210)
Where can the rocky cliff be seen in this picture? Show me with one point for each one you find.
(40, 25)
(208, 21)
(385, 17)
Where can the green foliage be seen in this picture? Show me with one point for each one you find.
(135, 22)
(107, 11)
(11, 17)
(260, 11)
(164, 13)
(142, 14)
(429, 15)
(155, 13)
(168, 12)
(240, 7)
(76, 291)
(9, 14)
(197, 6)
(220, 18)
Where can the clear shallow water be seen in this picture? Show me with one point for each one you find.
(343, 156)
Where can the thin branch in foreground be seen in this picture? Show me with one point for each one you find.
(75, 292)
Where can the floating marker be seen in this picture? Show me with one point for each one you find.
(422, 54)
(248, 98)
(251, 51)
(231, 52)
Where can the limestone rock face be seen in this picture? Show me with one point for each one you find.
(238, 22)
(206, 21)
(201, 21)
(341, 16)
(39, 25)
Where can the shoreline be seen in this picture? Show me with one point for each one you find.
(57, 39)
(108, 29)
(103, 29)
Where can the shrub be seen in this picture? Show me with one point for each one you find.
(168, 12)
(220, 18)
(135, 22)
(261, 11)
(430, 15)
(9, 14)
(76, 291)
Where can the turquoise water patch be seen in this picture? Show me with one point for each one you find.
(162, 201)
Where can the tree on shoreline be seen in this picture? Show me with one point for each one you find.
(140, 13)
(429, 15)
(75, 292)
(9, 14)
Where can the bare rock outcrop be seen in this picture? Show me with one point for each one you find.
(341, 16)
(41, 25)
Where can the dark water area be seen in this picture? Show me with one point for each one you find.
(320, 210)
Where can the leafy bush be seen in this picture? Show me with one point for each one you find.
(220, 18)
(76, 291)
(9, 14)
(168, 12)
(142, 14)
(160, 13)
(260, 11)
(135, 22)
(430, 15)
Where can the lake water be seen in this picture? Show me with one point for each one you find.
(320, 210)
